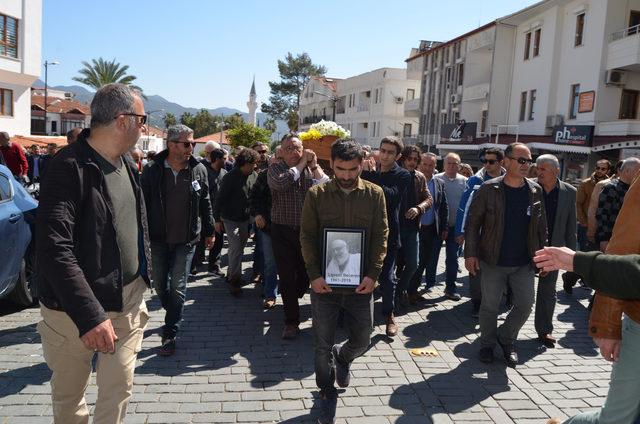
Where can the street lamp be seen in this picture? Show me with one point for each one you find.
(334, 100)
(46, 70)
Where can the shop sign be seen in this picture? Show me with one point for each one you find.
(586, 101)
(462, 132)
(574, 135)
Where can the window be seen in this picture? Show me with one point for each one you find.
(460, 73)
(456, 117)
(5, 188)
(527, 45)
(523, 105)
(532, 104)
(373, 129)
(406, 132)
(629, 104)
(8, 36)
(411, 94)
(54, 127)
(579, 29)
(376, 99)
(536, 42)
(634, 21)
(449, 74)
(574, 101)
(443, 118)
(37, 125)
(446, 54)
(6, 102)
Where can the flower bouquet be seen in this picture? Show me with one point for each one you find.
(321, 136)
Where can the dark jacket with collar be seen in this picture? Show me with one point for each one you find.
(198, 209)
(485, 223)
(564, 229)
(232, 201)
(440, 205)
(260, 199)
(79, 270)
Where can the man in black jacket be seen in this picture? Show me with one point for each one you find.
(176, 191)
(216, 173)
(93, 255)
(231, 209)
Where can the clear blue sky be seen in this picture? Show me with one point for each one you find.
(203, 53)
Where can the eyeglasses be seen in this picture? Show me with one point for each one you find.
(522, 161)
(292, 149)
(186, 144)
(141, 119)
(489, 161)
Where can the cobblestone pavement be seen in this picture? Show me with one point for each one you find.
(232, 366)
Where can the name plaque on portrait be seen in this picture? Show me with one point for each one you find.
(342, 256)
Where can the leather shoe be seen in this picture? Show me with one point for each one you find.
(486, 355)
(290, 332)
(547, 340)
(392, 328)
(415, 298)
(235, 288)
(510, 354)
(269, 303)
(452, 296)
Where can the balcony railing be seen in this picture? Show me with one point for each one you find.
(618, 35)
(313, 119)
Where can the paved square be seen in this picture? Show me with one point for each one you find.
(232, 366)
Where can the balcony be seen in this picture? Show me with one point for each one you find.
(313, 119)
(478, 92)
(412, 139)
(412, 108)
(619, 127)
(362, 108)
(624, 49)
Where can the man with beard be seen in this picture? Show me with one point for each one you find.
(347, 201)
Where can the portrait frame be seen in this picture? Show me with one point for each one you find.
(343, 256)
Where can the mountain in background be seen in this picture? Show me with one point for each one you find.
(156, 102)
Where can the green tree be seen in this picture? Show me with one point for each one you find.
(102, 72)
(270, 125)
(247, 135)
(284, 100)
(187, 119)
(169, 119)
(203, 124)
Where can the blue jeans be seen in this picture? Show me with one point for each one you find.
(451, 262)
(358, 324)
(388, 280)
(170, 267)
(623, 399)
(409, 240)
(268, 265)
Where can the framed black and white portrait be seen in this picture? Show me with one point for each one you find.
(342, 260)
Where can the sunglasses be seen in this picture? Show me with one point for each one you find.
(489, 161)
(522, 161)
(262, 152)
(141, 119)
(186, 144)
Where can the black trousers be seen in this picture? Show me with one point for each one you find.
(294, 282)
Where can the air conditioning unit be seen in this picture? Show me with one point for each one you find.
(455, 99)
(554, 121)
(615, 77)
(398, 99)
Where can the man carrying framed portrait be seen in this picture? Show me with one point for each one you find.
(344, 239)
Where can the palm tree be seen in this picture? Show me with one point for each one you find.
(102, 72)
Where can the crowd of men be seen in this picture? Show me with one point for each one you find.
(110, 225)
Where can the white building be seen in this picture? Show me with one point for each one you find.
(318, 101)
(63, 114)
(562, 76)
(252, 104)
(20, 45)
(371, 105)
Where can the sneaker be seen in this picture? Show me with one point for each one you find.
(168, 347)
(452, 296)
(392, 327)
(486, 355)
(341, 368)
(290, 332)
(328, 407)
(269, 303)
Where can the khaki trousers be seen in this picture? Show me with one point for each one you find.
(71, 361)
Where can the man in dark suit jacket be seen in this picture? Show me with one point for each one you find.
(434, 225)
(35, 163)
(560, 206)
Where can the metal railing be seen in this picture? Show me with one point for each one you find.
(497, 132)
(626, 32)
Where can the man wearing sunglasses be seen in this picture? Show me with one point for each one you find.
(176, 191)
(492, 160)
(506, 225)
(93, 256)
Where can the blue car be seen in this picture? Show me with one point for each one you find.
(17, 252)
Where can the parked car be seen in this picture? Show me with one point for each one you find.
(17, 252)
